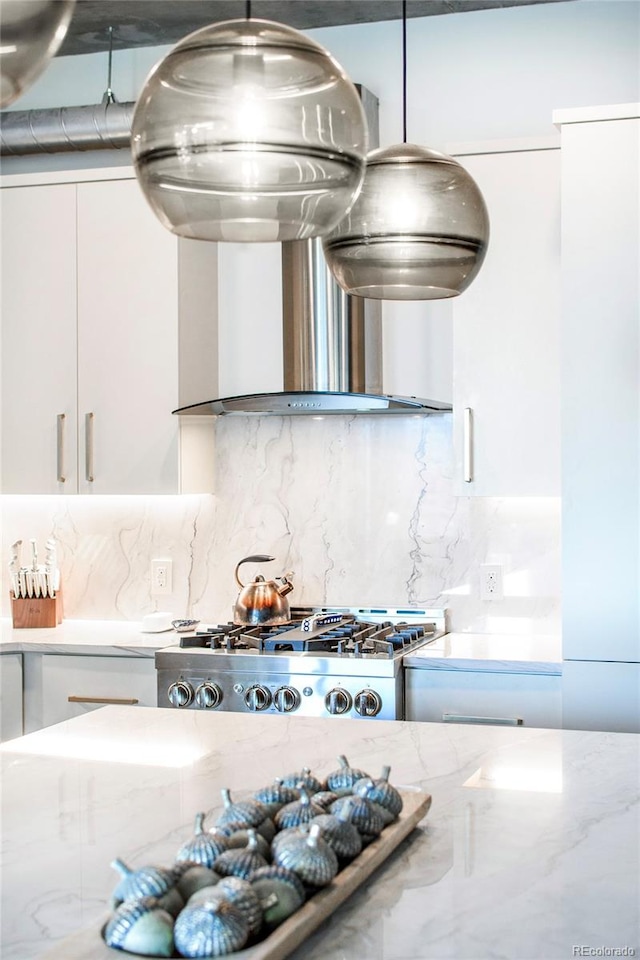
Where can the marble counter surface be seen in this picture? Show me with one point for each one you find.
(491, 652)
(454, 651)
(530, 849)
(97, 637)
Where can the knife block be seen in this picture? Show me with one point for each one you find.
(30, 612)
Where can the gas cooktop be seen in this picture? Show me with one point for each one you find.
(342, 633)
(327, 661)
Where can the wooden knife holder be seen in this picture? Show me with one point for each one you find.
(30, 612)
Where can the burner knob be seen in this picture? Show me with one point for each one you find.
(180, 693)
(208, 695)
(257, 697)
(368, 703)
(337, 701)
(286, 699)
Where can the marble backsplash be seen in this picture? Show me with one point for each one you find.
(360, 508)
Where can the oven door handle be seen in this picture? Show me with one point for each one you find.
(117, 701)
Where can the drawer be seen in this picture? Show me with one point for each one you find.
(58, 687)
(460, 696)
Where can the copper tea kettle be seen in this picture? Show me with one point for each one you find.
(262, 601)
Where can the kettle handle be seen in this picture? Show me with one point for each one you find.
(258, 558)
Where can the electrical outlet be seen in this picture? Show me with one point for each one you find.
(491, 582)
(161, 577)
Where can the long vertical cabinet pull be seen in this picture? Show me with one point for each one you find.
(468, 444)
(61, 420)
(88, 446)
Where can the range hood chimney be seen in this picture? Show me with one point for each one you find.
(332, 343)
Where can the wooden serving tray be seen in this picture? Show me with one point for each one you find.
(89, 944)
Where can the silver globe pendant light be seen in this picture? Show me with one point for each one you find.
(31, 32)
(419, 228)
(249, 131)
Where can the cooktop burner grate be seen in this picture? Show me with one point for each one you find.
(349, 637)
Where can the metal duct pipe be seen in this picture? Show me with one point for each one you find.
(103, 126)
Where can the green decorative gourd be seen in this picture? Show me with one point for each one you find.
(280, 891)
(342, 780)
(149, 881)
(203, 848)
(141, 927)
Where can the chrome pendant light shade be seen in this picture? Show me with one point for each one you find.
(249, 131)
(31, 32)
(418, 230)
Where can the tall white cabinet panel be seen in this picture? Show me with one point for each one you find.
(601, 411)
(38, 272)
(506, 332)
(127, 343)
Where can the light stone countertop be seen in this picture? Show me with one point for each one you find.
(495, 653)
(455, 651)
(98, 637)
(530, 850)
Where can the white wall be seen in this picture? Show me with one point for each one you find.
(476, 76)
(479, 75)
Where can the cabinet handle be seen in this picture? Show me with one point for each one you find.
(467, 422)
(88, 446)
(113, 700)
(61, 421)
(500, 721)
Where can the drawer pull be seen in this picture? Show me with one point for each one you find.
(113, 700)
(501, 721)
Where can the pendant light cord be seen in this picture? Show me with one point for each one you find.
(247, 14)
(109, 96)
(404, 71)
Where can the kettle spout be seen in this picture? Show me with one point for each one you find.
(283, 584)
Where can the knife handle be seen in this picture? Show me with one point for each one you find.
(61, 421)
(88, 446)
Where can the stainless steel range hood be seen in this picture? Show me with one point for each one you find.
(332, 343)
(332, 356)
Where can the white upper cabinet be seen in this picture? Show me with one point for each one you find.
(109, 323)
(127, 343)
(506, 353)
(39, 339)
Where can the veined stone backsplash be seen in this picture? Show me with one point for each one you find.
(361, 509)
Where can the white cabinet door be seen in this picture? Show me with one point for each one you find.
(127, 343)
(39, 339)
(506, 699)
(10, 696)
(58, 686)
(506, 332)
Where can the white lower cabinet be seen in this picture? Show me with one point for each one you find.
(61, 686)
(505, 699)
(601, 696)
(10, 696)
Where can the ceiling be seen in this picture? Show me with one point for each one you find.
(144, 23)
